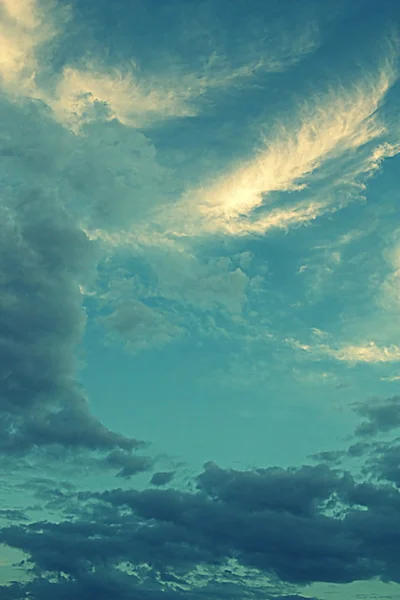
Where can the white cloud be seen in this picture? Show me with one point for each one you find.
(368, 352)
(139, 98)
(331, 129)
(25, 26)
(134, 97)
(131, 98)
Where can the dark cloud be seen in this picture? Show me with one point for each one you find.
(115, 585)
(281, 526)
(332, 457)
(12, 515)
(381, 416)
(162, 478)
(383, 461)
(297, 491)
(129, 464)
(68, 427)
(295, 541)
(381, 458)
(44, 257)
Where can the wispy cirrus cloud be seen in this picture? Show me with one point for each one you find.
(132, 95)
(318, 148)
(139, 100)
(177, 87)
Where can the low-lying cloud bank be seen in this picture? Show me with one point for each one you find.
(231, 533)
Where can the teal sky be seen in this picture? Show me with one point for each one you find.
(200, 251)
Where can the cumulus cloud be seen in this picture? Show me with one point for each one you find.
(44, 257)
(169, 292)
(247, 533)
(256, 533)
(140, 326)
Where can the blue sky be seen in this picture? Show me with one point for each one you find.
(200, 277)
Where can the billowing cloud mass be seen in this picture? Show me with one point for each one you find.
(199, 298)
(44, 257)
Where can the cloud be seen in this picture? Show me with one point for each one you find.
(165, 294)
(122, 587)
(384, 461)
(175, 87)
(131, 100)
(130, 464)
(162, 478)
(391, 379)
(69, 427)
(256, 533)
(381, 416)
(75, 173)
(326, 136)
(129, 93)
(369, 353)
(140, 326)
(25, 28)
(203, 283)
(389, 296)
(136, 99)
(352, 354)
(45, 257)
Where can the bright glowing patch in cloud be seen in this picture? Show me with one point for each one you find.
(138, 99)
(132, 96)
(24, 28)
(129, 99)
(349, 353)
(332, 129)
(368, 353)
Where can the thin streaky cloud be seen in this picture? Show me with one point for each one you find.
(333, 128)
(138, 100)
(132, 96)
(369, 352)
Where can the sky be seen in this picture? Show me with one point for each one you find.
(199, 300)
